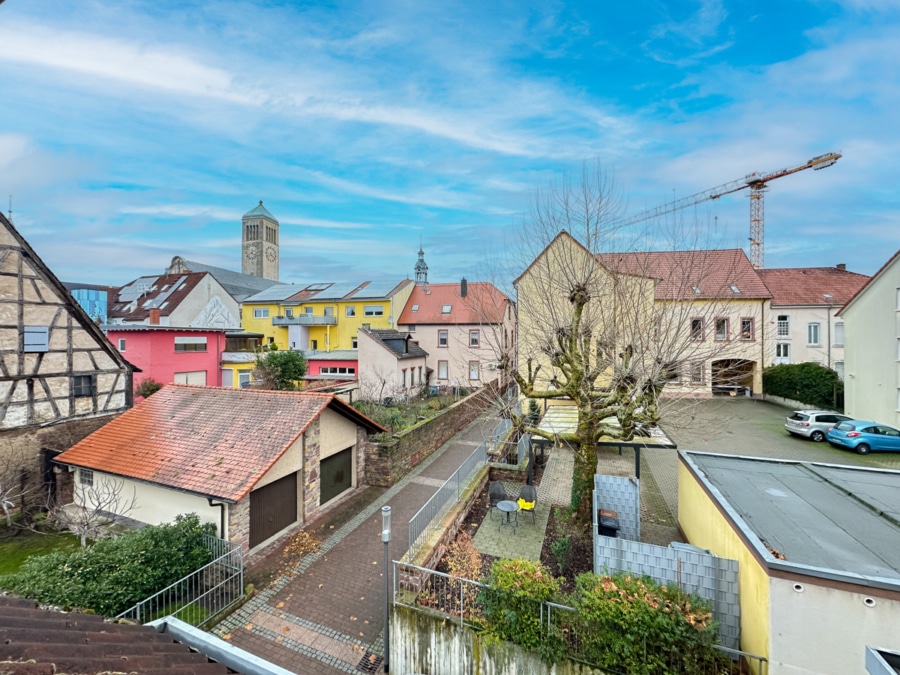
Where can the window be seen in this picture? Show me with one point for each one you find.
(86, 477)
(721, 329)
(421, 381)
(261, 313)
(190, 344)
(121, 344)
(289, 312)
(351, 310)
(839, 369)
(445, 309)
(812, 334)
(442, 338)
(308, 311)
(313, 344)
(36, 338)
(735, 289)
(473, 370)
(329, 311)
(696, 290)
(442, 370)
(404, 377)
(696, 329)
(783, 326)
(244, 380)
(839, 334)
(697, 372)
(83, 385)
(415, 308)
(782, 352)
(411, 328)
(373, 310)
(474, 338)
(747, 328)
(354, 343)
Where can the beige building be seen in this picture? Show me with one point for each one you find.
(61, 378)
(391, 364)
(803, 326)
(872, 361)
(465, 328)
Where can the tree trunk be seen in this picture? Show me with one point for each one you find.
(583, 480)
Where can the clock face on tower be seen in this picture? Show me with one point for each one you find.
(271, 255)
(252, 252)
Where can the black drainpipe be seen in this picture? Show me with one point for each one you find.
(221, 506)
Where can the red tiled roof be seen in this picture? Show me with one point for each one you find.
(871, 279)
(40, 642)
(209, 441)
(483, 304)
(809, 285)
(683, 273)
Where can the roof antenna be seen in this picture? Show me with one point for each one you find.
(10, 208)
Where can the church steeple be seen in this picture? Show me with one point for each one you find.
(421, 267)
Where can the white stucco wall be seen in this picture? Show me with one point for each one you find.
(380, 372)
(801, 350)
(872, 353)
(824, 631)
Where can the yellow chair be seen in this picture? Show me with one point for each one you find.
(527, 500)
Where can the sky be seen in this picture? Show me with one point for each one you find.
(132, 131)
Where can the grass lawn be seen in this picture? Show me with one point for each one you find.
(17, 546)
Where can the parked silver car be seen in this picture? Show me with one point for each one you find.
(813, 424)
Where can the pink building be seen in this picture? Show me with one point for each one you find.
(167, 355)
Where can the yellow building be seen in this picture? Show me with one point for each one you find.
(323, 317)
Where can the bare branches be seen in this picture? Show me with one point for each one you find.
(96, 503)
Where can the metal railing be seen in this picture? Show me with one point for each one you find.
(421, 589)
(440, 502)
(202, 595)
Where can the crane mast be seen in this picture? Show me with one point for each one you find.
(757, 184)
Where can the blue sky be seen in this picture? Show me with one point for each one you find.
(134, 131)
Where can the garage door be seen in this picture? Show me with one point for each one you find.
(337, 473)
(195, 377)
(273, 508)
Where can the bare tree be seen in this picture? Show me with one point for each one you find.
(608, 317)
(95, 504)
(15, 487)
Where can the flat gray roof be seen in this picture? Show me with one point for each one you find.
(831, 518)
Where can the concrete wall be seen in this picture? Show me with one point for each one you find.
(872, 363)
(822, 629)
(425, 642)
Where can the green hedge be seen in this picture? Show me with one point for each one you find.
(111, 575)
(808, 383)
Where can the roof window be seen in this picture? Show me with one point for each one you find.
(735, 289)
(696, 290)
(445, 309)
(415, 308)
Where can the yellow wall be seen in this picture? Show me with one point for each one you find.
(264, 326)
(705, 526)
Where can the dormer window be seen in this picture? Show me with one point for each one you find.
(445, 309)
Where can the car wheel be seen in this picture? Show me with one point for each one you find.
(862, 449)
(817, 436)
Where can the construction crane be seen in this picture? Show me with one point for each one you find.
(757, 182)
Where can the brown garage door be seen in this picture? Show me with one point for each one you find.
(272, 508)
(337, 474)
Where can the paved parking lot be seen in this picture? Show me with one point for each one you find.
(741, 426)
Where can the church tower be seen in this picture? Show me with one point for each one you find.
(259, 248)
(421, 268)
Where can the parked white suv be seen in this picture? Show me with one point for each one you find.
(813, 424)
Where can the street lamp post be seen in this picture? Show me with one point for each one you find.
(386, 538)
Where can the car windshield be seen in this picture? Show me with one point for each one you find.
(845, 426)
(800, 417)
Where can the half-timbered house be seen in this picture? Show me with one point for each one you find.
(60, 378)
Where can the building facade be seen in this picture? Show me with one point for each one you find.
(391, 365)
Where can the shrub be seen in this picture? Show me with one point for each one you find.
(113, 574)
(147, 387)
(464, 562)
(808, 383)
(637, 625)
(560, 550)
(512, 605)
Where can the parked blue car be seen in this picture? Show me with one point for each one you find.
(864, 436)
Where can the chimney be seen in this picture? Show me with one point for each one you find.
(463, 288)
(842, 267)
(406, 345)
(154, 317)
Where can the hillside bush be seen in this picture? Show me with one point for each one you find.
(111, 575)
(809, 383)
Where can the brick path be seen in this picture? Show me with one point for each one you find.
(328, 616)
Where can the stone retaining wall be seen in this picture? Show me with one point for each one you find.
(388, 462)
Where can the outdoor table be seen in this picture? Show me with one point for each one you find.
(509, 507)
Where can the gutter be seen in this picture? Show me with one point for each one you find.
(221, 505)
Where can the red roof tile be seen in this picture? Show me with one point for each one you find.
(205, 440)
(693, 275)
(809, 285)
(483, 304)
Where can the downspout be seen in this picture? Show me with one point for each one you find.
(221, 506)
(762, 346)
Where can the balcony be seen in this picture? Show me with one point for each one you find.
(304, 320)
